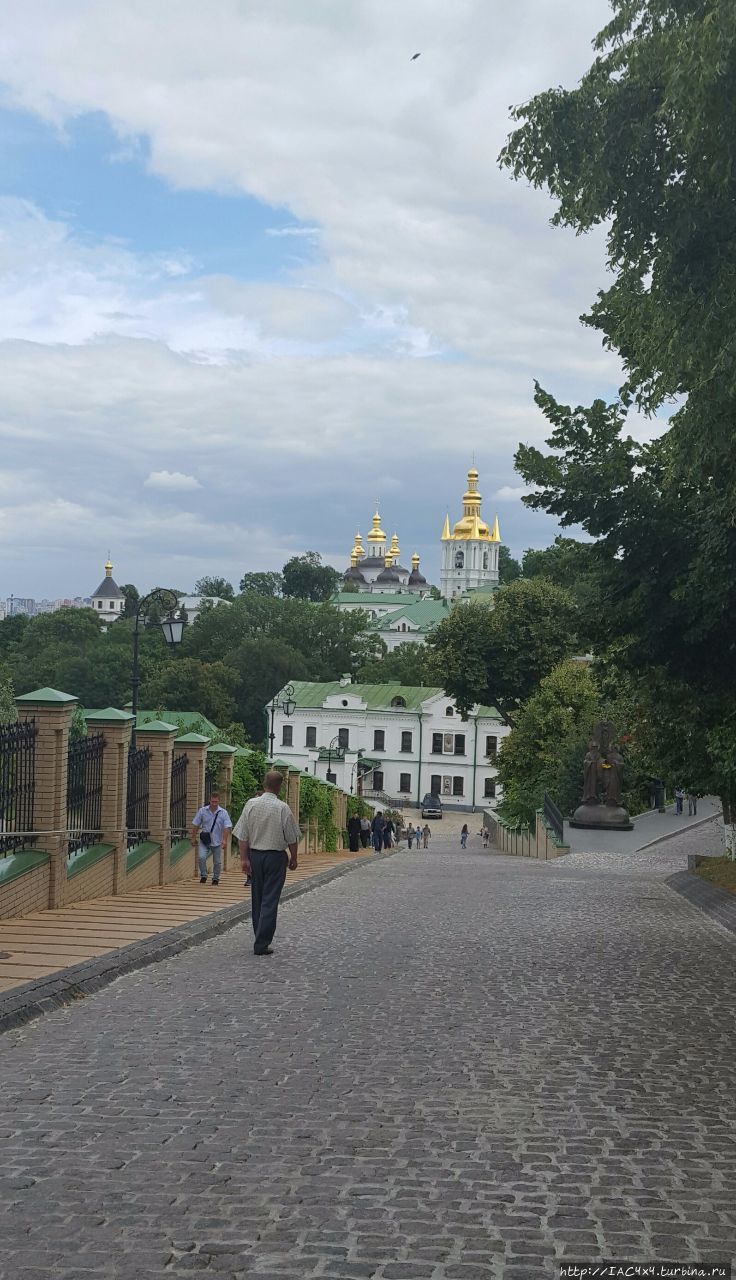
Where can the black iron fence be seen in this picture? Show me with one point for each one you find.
(136, 813)
(179, 819)
(84, 791)
(210, 782)
(17, 785)
(553, 816)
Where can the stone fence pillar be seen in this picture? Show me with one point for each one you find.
(159, 737)
(222, 757)
(117, 728)
(52, 712)
(293, 791)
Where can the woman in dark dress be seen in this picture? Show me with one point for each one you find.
(354, 833)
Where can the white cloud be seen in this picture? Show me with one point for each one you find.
(171, 481)
(511, 492)
(439, 292)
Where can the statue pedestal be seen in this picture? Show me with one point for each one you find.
(602, 817)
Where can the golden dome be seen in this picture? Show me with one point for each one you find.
(471, 526)
(376, 534)
(395, 552)
(358, 550)
(108, 568)
(415, 561)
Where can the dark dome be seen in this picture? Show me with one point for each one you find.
(353, 574)
(417, 579)
(388, 575)
(108, 588)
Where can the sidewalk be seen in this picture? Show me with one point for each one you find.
(40, 944)
(648, 827)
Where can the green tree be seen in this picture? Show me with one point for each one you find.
(407, 663)
(8, 710)
(188, 684)
(645, 145)
(497, 653)
(307, 578)
(546, 747)
(220, 588)
(132, 598)
(508, 568)
(264, 584)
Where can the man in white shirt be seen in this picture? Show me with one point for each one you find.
(211, 827)
(264, 830)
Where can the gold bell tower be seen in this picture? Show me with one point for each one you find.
(470, 551)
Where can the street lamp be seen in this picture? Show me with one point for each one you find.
(339, 754)
(358, 762)
(171, 626)
(287, 705)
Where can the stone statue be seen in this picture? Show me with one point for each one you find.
(603, 776)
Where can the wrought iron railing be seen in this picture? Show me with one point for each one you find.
(136, 813)
(84, 791)
(552, 815)
(17, 785)
(178, 808)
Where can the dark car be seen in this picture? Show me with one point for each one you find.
(431, 807)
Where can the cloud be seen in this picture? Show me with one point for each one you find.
(171, 481)
(511, 493)
(292, 231)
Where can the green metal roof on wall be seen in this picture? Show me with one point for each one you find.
(187, 721)
(110, 715)
(157, 726)
(47, 695)
(367, 598)
(423, 614)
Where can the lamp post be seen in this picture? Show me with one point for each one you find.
(339, 754)
(171, 626)
(287, 705)
(361, 753)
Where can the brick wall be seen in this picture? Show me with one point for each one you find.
(183, 868)
(29, 892)
(95, 882)
(143, 876)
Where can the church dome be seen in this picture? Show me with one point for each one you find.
(353, 574)
(108, 588)
(388, 576)
(376, 534)
(416, 578)
(470, 525)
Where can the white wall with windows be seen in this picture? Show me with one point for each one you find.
(411, 752)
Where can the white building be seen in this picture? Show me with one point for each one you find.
(405, 741)
(193, 605)
(108, 600)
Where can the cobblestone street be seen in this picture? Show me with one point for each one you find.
(455, 1066)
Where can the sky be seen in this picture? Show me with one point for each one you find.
(260, 270)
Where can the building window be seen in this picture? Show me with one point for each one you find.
(459, 744)
(379, 740)
(398, 701)
(436, 744)
(311, 738)
(377, 780)
(491, 744)
(489, 788)
(287, 735)
(458, 785)
(459, 560)
(343, 738)
(435, 784)
(449, 711)
(485, 559)
(99, 606)
(406, 740)
(405, 782)
(448, 743)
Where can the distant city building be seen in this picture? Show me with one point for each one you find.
(108, 600)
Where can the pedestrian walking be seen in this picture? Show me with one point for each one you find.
(211, 827)
(388, 833)
(692, 804)
(377, 826)
(464, 836)
(426, 835)
(410, 834)
(365, 832)
(679, 797)
(248, 881)
(264, 830)
(354, 833)
(486, 834)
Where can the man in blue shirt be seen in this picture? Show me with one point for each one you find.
(211, 827)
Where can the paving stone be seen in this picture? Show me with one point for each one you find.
(453, 1067)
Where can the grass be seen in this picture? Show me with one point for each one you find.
(720, 871)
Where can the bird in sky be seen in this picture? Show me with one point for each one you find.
(414, 57)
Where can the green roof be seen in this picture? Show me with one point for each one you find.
(157, 726)
(187, 721)
(46, 695)
(110, 715)
(311, 694)
(424, 614)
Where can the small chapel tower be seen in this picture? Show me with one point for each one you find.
(470, 551)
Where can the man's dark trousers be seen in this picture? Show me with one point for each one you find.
(268, 871)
